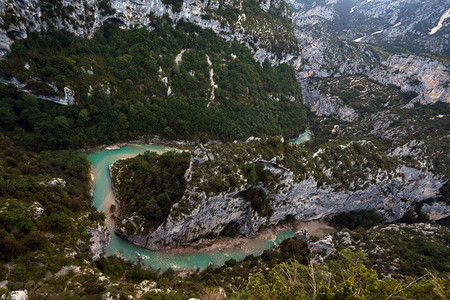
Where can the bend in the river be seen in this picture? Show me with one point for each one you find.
(104, 197)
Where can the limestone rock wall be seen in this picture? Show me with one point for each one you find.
(333, 37)
(305, 199)
(19, 17)
(428, 78)
(99, 240)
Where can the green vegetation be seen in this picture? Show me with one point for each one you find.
(345, 277)
(379, 105)
(230, 230)
(347, 163)
(284, 272)
(415, 215)
(257, 168)
(278, 34)
(258, 201)
(255, 174)
(352, 220)
(45, 208)
(364, 94)
(176, 4)
(148, 185)
(121, 80)
(105, 7)
(232, 277)
(406, 249)
(126, 95)
(431, 124)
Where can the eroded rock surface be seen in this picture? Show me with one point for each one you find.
(198, 217)
(84, 17)
(99, 240)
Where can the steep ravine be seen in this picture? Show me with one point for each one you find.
(329, 33)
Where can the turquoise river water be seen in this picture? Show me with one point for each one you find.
(103, 198)
(304, 137)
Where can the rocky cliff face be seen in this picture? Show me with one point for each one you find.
(326, 105)
(428, 78)
(332, 46)
(232, 20)
(99, 239)
(409, 24)
(306, 195)
(325, 55)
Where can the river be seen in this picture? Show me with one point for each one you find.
(304, 137)
(103, 198)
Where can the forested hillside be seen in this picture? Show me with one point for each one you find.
(181, 82)
(45, 215)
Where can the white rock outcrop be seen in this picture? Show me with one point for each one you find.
(99, 240)
(16, 295)
(305, 199)
(429, 78)
(84, 17)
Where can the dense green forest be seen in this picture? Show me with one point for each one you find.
(45, 208)
(149, 185)
(122, 78)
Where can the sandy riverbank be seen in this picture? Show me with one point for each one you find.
(228, 243)
(110, 199)
(91, 181)
(314, 228)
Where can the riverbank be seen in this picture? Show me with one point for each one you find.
(228, 243)
(156, 141)
(316, 228)
(214, 253)
(91, 181)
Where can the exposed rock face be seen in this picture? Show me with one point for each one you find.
(36, 210)
(84, 17)
(436, 210)
(323, 247)
(416, 25)
(305, 199)
(99, 240)
(412, 148)
(428, 78)
(66, 100)
(324, 55)
(17, 295)
(66, 270)
(54, 182)
(330, 32)
(324, 105)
